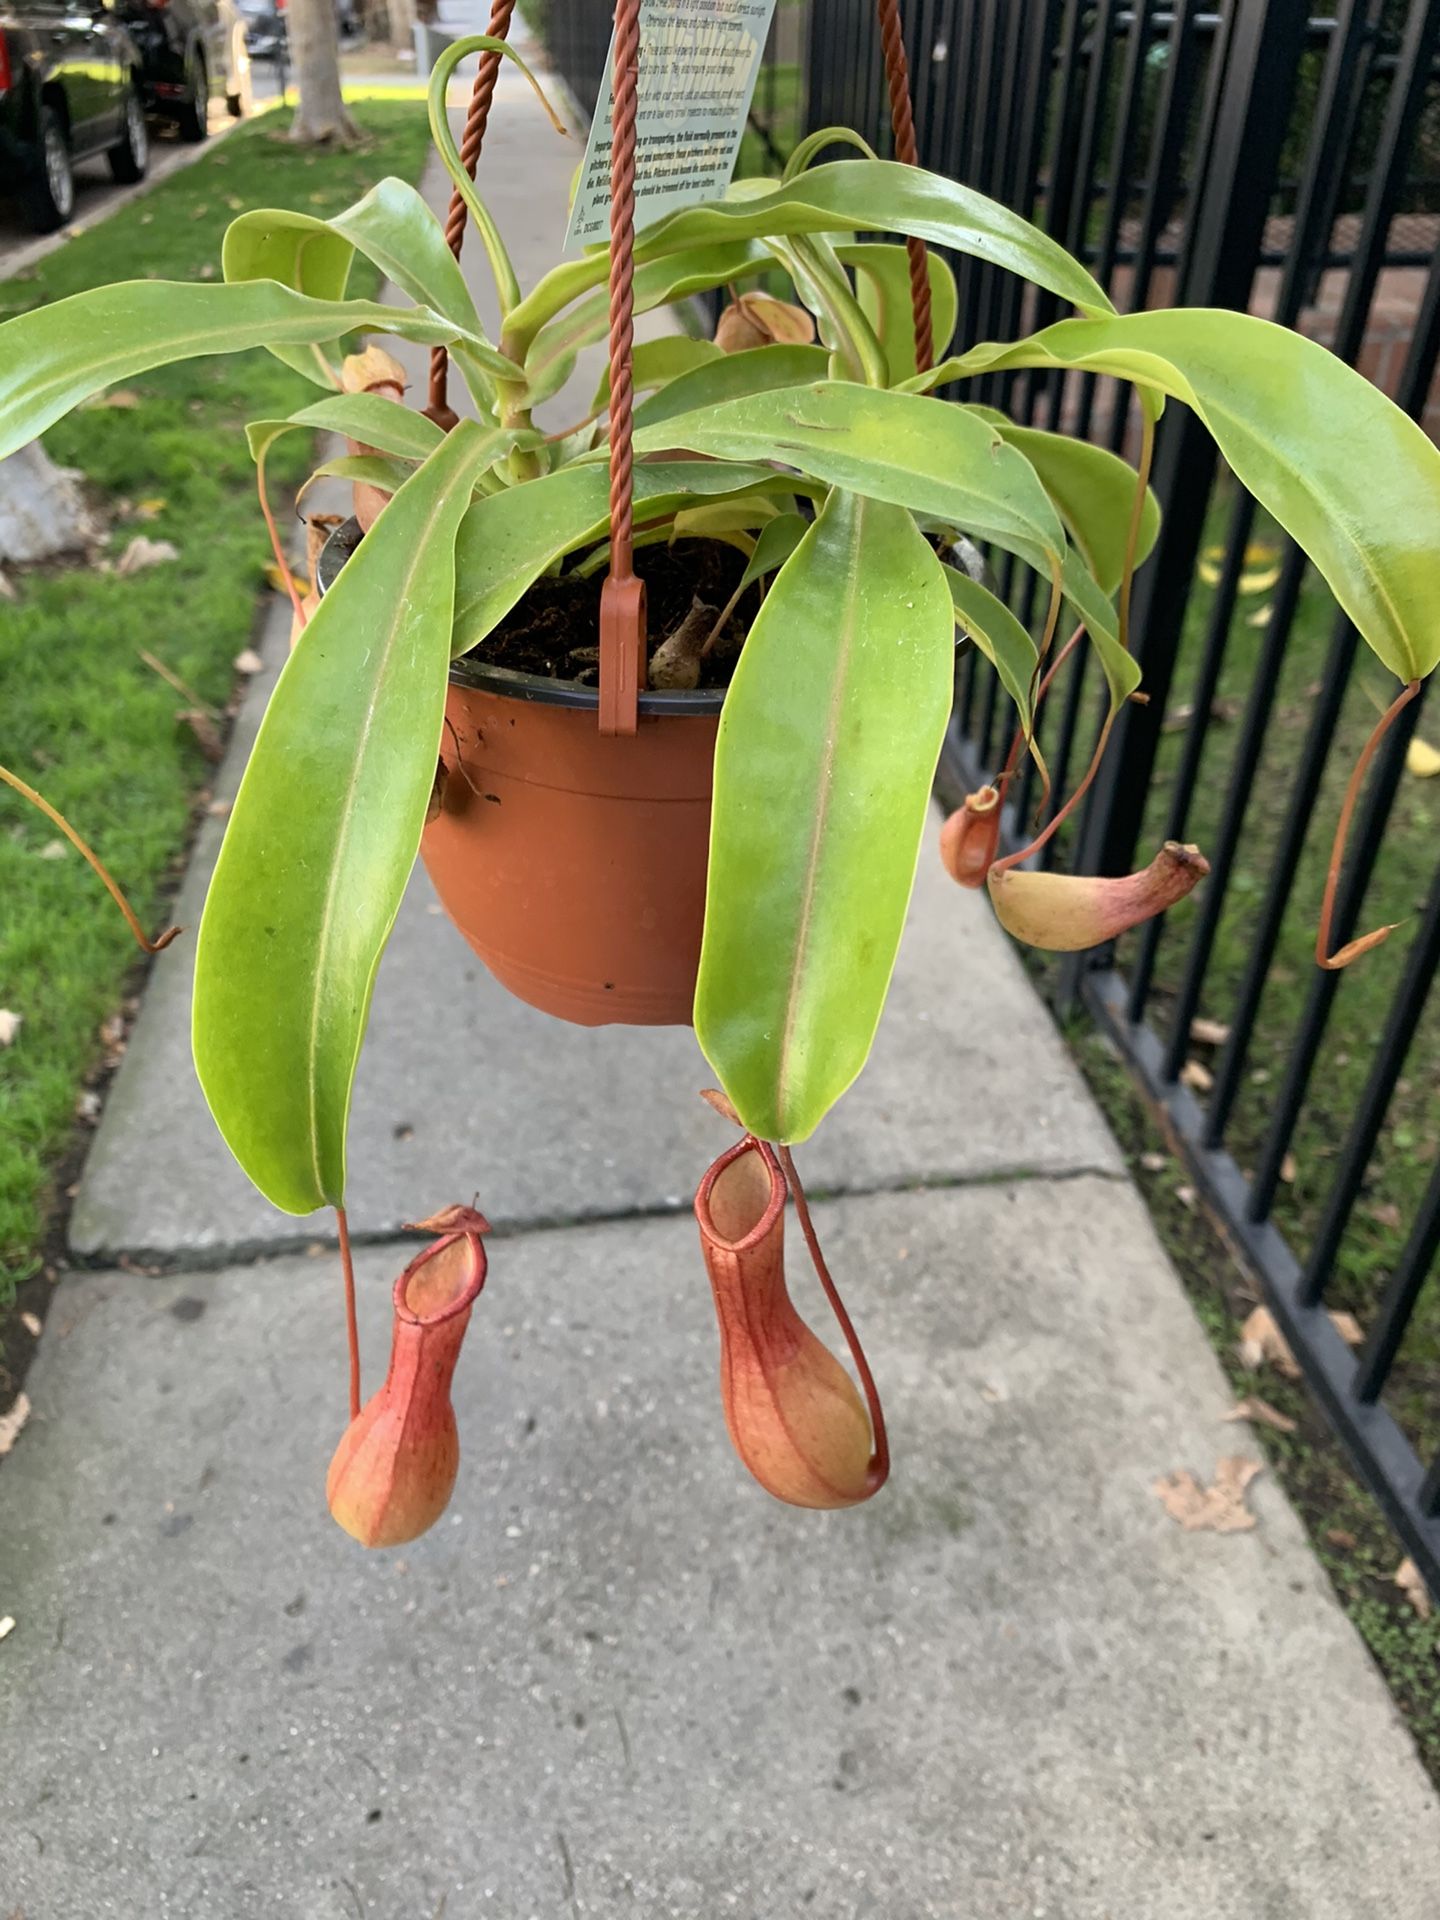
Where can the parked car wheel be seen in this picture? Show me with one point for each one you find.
(240, 88)
(47, 197)
(194, 113)
(130, 158)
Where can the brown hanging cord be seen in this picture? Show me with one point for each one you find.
(902, 119)
(471, 141)
(622, 601)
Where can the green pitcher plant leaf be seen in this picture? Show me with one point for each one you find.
(322, 837)
(509, 539)
(827, 745)
(777, 541)
(391, 225)
(393, 228)
(733, 376)
(366, 417)
(844, 196)
(58, 355)
(363, 469)
(1102, 628)
(657, 362)
(550, 358)
(1349, 476)
(999, 635)
(882, 276)
(1094, 491)
(898, 447)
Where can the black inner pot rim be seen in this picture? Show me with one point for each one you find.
(469, 672)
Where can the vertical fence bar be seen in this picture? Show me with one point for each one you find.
(1393, 1315)
(1386, 178)
(1122, 147)
(1250, 96)
(1404, 1017)
(1308, 240)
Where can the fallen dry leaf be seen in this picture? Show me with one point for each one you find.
(1289, 1169)
(219, 809)
(10, 1025)
(31, 1324)
(1338, 1537)
(1422, 759)
(144, 552)
(52, 850)
(1348, 1328)
(1154, 1162)
(12, 1422)
(1260, 1413)
(1385, 1213)
(7, 1627)
(1407, 1578)
(1186, 1197)
(248, 662)
(149, 509)
(7, 589)
(205, 731)
(1198, 1077)
(1219, 1508)
(1209, 1033)
(1261, 1344)
(87, 1107)
(122, 397)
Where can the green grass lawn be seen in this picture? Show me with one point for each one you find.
(81, 717)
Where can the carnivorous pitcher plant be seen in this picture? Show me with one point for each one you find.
(805, 436)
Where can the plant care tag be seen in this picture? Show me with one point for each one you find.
(698, 64)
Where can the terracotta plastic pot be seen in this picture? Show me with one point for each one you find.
(574, 864)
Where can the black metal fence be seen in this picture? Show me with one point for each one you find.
(1283, 157)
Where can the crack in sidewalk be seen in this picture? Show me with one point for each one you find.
(162, 1262)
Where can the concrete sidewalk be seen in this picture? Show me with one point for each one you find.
(617, 1679)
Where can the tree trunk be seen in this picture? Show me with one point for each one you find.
(402, 25)
(315, 57)
(42, 511)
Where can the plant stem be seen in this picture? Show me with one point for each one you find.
(352, 1328)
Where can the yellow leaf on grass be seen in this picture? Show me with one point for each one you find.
(277, 580)
(1260, 572)
(1422, 759)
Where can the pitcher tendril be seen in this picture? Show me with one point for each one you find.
(1366, 942)
(132, 919)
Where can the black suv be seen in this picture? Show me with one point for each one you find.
(69, 88)
(189, 50)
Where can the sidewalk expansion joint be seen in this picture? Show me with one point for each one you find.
(158, 1263)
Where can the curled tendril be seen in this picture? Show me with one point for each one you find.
(132, 920)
